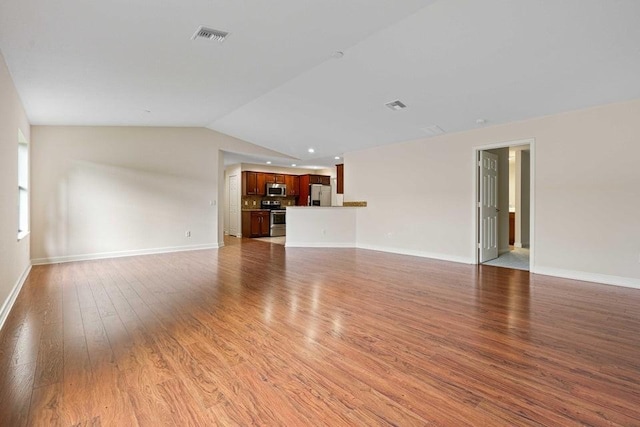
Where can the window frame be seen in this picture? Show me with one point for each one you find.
(23, 204)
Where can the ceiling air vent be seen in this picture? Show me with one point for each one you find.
(210, 34)
(396, 105)
(433, 130)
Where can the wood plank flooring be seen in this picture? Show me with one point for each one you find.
(256, 334)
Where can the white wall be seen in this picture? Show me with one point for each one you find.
(329, 227)
(587, 197)
(14, 254)
(104, 191)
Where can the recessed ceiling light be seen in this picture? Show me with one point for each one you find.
(311, 150)
(337, 157)
(396, 105)
(293, 164)
(481, 121)
(269, 163)
(337, 54)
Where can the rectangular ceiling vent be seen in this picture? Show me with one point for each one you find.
(396, 105)
(210, 34)
(433, 130)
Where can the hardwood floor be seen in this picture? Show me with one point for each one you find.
(256, 334)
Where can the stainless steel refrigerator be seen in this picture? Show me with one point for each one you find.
(320, 195)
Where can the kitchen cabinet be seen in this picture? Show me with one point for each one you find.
(319, 179)
(249, 183)
(255, 223)
(274, 178)
(340, 179)
(293, 185)
(512, 228)
(253, 183)
(269, 178)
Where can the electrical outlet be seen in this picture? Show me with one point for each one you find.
(254, 203)
(246, 203)
(187, 234)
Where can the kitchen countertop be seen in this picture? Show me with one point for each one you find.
(255, 210)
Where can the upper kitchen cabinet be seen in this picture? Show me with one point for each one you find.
(253, 183)
(269, 178)
(320, 179)
(274, 178)
(293, 184)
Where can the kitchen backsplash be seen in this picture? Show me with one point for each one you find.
(285, 201)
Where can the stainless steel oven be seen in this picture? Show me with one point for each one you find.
(278, 222)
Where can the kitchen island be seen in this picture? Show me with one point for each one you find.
(321, 226)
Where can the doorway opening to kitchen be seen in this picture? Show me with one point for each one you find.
(503, 204)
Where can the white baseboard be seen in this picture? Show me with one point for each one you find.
(627, 282)
(11, 299)
(422, 254)
(318, 245)
(103, 255)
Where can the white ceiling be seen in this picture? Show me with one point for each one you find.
(274, 83)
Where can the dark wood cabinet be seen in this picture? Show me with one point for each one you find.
(253, 183)
(255, 224)
(269, 178)
(274, 178)
(512, 228)
(249, 183)
(319, 179)
(340, 179)
(293, 184)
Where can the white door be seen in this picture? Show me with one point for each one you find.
(488, 204)
(234, 205)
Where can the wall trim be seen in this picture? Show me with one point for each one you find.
(421, 254)
(119, 254)
(602, 279)
(319, 245)
(13, 295)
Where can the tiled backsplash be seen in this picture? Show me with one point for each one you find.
(285, 201)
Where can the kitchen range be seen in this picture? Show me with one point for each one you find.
(277, 217)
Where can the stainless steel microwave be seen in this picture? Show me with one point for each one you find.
(276, 190)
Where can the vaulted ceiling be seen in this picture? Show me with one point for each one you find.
(278, 82)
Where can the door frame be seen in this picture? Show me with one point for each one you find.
(532, 192)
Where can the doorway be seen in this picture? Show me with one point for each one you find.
(503, 204)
